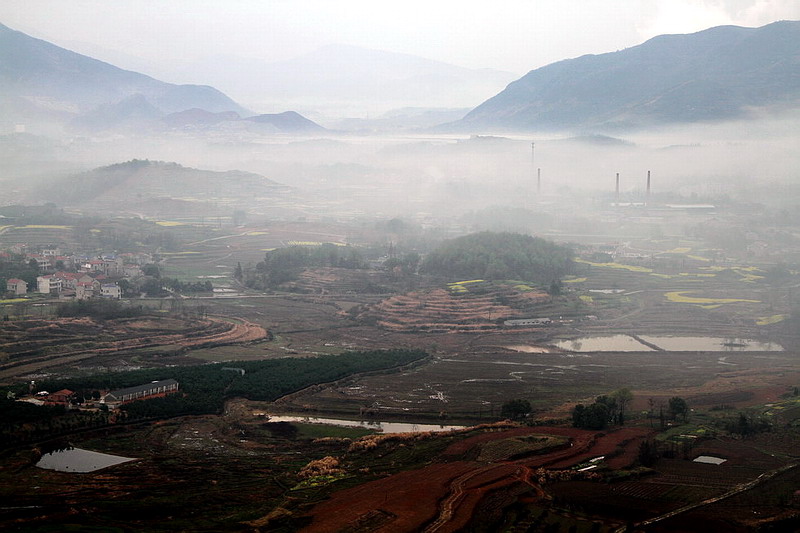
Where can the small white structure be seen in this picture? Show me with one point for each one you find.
(709, 460)
(527, 322)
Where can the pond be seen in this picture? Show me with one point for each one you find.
(710, 344)
(612, 343)
(636, 343)
(381, 427)
(79, 460)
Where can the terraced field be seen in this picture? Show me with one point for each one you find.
(32, 345)
(440, 310)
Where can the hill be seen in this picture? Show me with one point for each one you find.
(39, 80)
(499, 256)
(148, 180)
(287, 122)
(719, 73)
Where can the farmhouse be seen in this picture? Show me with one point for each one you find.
(142, 392)
(17, 286)
(110, 290)
(61, 397)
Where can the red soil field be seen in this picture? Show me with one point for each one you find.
(444, 496)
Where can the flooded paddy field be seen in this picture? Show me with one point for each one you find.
(648, 343)
(476, 384)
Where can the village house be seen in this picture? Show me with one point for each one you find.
(51, 251)
(110, 290)
(48, 284)
(136, 258)
(132, 271)
(17, 286)
(43, 262)
(86, 290)
(141, 392)
(61, 397)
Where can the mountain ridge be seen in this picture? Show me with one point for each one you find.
(714, 74)
(50, 78)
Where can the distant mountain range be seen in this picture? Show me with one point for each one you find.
(349, 81)
(719, 73)
(41, 82)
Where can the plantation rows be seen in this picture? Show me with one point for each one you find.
(439, 310)
(205, 388)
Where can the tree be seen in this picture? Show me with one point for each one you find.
(648, 453)
(152, 287)
(678, 406)
(623, 397)
(152, 271)
(515, 409)
(594, 416)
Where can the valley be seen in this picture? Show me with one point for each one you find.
(281, 267)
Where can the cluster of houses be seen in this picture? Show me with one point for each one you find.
(114, 398)
(80, 277)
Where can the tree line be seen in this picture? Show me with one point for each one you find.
(285, 264)
(204, 388)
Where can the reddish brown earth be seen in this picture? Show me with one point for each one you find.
(438, 310)
(444, 495)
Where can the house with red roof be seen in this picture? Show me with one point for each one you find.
(17, 286)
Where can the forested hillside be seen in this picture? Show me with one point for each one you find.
(489, 255)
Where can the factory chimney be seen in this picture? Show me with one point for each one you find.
(616, 193)
(647, 197)
(539, 181)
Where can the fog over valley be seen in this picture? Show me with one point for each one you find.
(358, 266)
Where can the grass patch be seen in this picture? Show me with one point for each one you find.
(169, 223)
(44, 226)
(767, 320)
(14, 300)
(618, 266)
(680, 297)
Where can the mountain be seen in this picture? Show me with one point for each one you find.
(719, 73)
(39, 80)
(349, 81)
(287, 122)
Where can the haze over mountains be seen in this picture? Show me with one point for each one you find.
(350, 81)
(42, 83)
(719, 73)
(39, 79)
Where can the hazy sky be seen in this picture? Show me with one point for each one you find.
(512, 35)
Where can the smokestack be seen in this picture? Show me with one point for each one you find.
(616, 193)
(647, 198)
(533, 158)
(538, 181)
